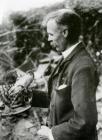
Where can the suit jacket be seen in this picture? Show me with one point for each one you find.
(72, 88)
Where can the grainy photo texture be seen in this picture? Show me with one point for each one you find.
(50, 70)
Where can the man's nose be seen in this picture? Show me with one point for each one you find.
(49, 38)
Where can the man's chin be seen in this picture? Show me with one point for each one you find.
(57, 50)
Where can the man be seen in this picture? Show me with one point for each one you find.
(72, 84)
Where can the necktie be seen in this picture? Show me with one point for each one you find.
(56, 69)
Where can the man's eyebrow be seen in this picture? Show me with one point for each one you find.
(50, 33)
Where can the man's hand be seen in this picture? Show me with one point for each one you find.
(21, 83)
(45, 132)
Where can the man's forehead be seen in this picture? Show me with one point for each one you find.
(52, 23)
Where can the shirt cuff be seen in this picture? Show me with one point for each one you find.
(50, 135)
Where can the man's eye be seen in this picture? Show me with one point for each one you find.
(50, 34)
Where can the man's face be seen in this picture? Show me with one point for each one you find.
(55, 35)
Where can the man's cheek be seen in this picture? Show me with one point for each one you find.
(53, 44)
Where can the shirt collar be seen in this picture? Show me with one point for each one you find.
(69, 50)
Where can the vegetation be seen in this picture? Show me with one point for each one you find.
(24, 39)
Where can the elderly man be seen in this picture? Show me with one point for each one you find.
(72, 84)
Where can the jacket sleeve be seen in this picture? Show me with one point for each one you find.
(84, 118)
(39, 99)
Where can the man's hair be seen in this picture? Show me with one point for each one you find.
(68, 18)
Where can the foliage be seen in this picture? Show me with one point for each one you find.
(27, 33)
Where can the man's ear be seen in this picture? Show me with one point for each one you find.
(65, 33)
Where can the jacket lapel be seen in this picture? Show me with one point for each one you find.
(62, 64)
(78, 48)
(55, 71)
(68, 59)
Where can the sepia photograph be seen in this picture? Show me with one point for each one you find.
(50, 70)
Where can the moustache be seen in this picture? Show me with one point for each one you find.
(53, 45)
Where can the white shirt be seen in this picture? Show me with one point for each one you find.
(69, 50)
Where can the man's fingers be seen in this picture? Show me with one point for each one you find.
(15, 90)
(11, 92)
(44, 127)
